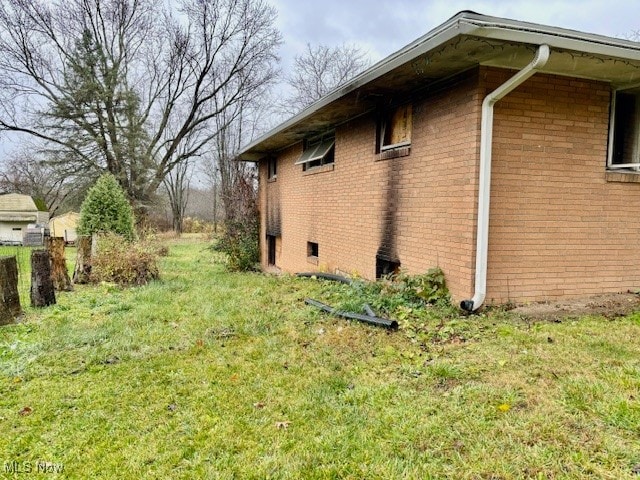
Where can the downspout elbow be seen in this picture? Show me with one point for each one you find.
(484, 180)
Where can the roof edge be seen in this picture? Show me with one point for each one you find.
(463, 23)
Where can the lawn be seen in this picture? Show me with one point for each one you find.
(210, 374)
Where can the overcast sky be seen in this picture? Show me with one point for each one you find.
(382, 27)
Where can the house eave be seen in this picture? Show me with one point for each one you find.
(490, 41)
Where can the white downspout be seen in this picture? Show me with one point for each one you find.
(484, 189)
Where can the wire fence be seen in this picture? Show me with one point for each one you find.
(23, 257)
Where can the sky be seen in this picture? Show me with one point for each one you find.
(382, 27)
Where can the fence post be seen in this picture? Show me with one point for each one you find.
(9, 297)
(42, 292)
(59, 273)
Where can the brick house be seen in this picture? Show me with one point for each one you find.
(507, 153)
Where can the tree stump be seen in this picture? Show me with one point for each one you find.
(59, 273)
(42, 292)
(9, 297)
(82, 270)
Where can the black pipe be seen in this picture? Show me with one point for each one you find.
(369, 311)
(467, 305)
(325, 276)
(380, 322)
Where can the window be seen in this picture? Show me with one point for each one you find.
(385, 266)
(312, 250)
(395, 129)
(317, 153)
(272, 165)
(624, 133)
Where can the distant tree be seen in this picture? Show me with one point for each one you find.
(106, 209)
(24, 172)
(321, 69)
(177, 185)
(126, 86)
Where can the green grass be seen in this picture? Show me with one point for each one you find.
(210, 374)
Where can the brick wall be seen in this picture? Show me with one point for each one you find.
(422, 205)
(558, 227)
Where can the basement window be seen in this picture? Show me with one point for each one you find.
(624, 131)
(385, 266)
(312, 250)
(317, 153)
(394, 132)
(272, 165)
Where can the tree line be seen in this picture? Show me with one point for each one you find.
(149, 94)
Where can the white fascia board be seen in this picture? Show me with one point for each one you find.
(465, 23)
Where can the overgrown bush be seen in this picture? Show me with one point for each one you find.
(240, 242)
(106, 209)
(123, 262)
(239, 237)
(402, 290)
(195, 225)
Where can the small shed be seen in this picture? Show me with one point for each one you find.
(65, 226)
(17, 211)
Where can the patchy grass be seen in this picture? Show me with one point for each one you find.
(210, 374)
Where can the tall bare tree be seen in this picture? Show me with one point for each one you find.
(126, 86)
(319, 70)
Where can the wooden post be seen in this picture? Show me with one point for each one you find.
(9, 297)
(42, 292)
(59, 273)
(83, 260)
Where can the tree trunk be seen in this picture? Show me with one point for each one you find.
(59, 273)
(42, 292)
(82, 270)
(9, 298)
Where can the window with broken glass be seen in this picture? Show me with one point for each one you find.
(624, 131)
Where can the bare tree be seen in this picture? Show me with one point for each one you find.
(24, 172)
(126, 86)
(319, 70)
(178, 185)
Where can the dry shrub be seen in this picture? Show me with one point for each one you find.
(195, 225)
(124, 263)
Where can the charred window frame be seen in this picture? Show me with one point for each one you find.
(624, 131)
(272, 168)
(317, 152)
(394, 131)
(312, 250)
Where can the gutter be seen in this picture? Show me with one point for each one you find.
(484, 181)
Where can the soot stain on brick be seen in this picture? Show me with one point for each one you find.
(387, 260)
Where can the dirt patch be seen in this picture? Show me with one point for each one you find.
(608, 305)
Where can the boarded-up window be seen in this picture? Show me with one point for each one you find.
(396, 129)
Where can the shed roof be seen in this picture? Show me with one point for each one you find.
(16, 202)
(466, 40)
